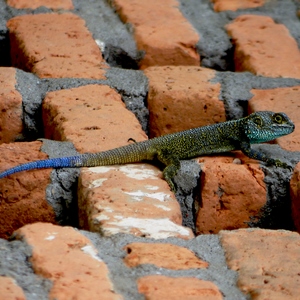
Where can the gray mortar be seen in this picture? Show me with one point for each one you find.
(236, 90)
(214, 46)
(14, 262)
(206, 247)
(116, 39)
(29, 86)
(61, 192)
(186, 181)
(276, 214)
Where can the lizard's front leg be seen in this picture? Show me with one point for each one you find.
(247, 150)
(172, 166)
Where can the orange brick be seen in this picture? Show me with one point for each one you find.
(23, 195)
(129, 199)
(169, 288)
(221, 5)
(295, 196)
(166, 256)
(9, 289)
(55, 46)
(10, 106)
(93, 117)
(264, 47)
(70, 260)
(33, 4)
(181, 98)
(267, 262)
(228, 203)
(161, 30)
(280, 100)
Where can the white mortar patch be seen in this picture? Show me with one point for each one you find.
(97, 183)
(154, 228)
(138, 172)
(101, 169)
(139, 195)
(90, 250)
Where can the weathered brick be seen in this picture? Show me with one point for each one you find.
(55, 45)
(280, 100)
(267, 262)
(262, 53)
(23, 195)
(70, 260)
(169, 288)
(161, 31)
(221, 5)
(295, 196)
(33, 4)
(228, 203)
(130, 199)
(93, 117)
(181, 98)
(166, 256)
(10, 106)
(9, 289)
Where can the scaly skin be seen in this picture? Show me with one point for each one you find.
(238, 134)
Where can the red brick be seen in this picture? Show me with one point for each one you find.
(168, 288)
(161, 30)
(93, 117)
(10, 106)
(267, 262)
(9, 289)
(230, 193)
(69, 260)
(181, 98)
(271, 51)
(166, 256)
(280, 100)
(55, 45)
(130, 199)
(221, 5)
(295, 196)
(23, 195)
(33, 4)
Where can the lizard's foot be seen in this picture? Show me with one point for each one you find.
(283, 165)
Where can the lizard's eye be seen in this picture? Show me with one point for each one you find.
(278, 118)
(257, 121)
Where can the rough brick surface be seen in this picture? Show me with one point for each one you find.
(23, 195)
(161, 31)
(280, 100)
(271, 51)
(168, 288)
(163, 256)
(55, 45)
(221, 5)
(295, 196)
(227, 202)
(33, 4)
(93, 117)
(9, 289)
(181, 98)
(130, 199)
(69, 259)
(10, 106)
(267, 262)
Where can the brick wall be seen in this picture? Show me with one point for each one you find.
(88, 76)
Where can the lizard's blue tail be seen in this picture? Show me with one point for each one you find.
(60, 162)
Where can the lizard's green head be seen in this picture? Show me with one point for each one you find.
(264, 126)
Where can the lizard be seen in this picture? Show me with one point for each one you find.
(240, 134)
